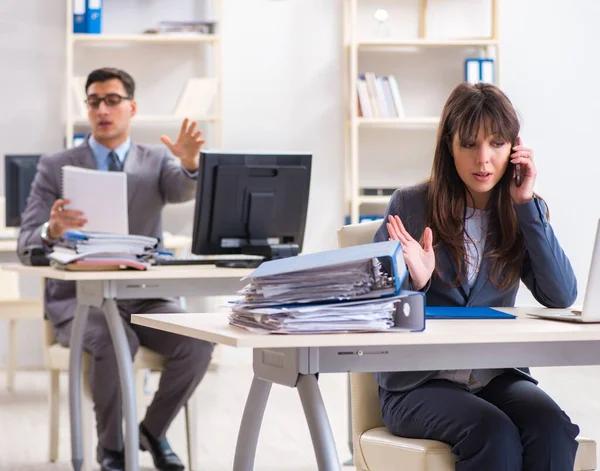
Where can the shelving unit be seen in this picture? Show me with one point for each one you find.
(161, 119)
(356, 44)
(144, 38)
(204, 42)
(422, 42)
(397, 122)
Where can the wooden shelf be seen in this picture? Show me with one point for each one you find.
(146, 119)
(360, 48)
(430, 43)
(398, 122)
(208, 64)
(365, 199)
(145, 38)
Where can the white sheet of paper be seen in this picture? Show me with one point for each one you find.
(102, 196)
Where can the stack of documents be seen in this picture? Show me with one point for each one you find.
(334, 283)
(342, 290)
(102, 251)
(369, 315)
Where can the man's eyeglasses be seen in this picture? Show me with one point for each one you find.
(111, 100)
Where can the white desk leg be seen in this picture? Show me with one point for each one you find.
(76, 350)
(245, 449)
(350, 462)
(318, 423)
(11, 363)
(125, 365)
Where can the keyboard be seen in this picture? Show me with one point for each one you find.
(233, 260)
(182, 261)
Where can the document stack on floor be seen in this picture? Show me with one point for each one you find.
(342, 290)
(102, 251)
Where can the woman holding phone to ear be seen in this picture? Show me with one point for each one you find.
(469, 235)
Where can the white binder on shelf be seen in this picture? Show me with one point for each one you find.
(197, 97)
(78, 84)
(479, 70)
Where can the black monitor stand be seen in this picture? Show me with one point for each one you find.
(268, 251)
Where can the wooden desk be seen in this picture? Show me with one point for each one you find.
(102, 289)
(295, 360)
(8, 245)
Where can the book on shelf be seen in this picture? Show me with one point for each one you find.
(87, 16)
(377, 191)
(183, 27)
(379, 96)
(363, 218)
(479, 70)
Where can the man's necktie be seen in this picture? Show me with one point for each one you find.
(114, 164)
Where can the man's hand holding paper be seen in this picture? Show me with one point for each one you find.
(62, 219)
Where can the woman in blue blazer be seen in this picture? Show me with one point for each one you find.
(469, 235)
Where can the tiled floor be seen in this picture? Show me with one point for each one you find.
(285, 441)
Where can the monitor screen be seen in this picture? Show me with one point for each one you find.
(19, 172)
(251, 204)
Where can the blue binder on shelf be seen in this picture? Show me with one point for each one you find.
(455, 312)
(389, 251)
(93, 15)
(79, 20)
(78, 139)
(479, 70)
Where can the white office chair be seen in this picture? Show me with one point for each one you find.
(13, 308)
(374, 448)
(57, 359)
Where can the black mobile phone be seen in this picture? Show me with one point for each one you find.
(518, 179)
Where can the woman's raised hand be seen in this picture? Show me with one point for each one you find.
(419, 260)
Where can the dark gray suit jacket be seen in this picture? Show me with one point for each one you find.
(546, 271)
(154, 178)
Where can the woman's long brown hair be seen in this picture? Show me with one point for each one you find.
(468, 107)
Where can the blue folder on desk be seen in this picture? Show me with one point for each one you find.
(452, 312)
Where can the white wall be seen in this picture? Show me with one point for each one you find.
(548, 73)
(282, 75)
(282, 82)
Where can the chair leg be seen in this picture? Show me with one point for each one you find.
(54, 406)
(88, 426)
(12, 355)
(140, 400)
(191, 425)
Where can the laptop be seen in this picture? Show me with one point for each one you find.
(591, 303)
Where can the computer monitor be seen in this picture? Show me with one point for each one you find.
(19, 172)
(251, 204)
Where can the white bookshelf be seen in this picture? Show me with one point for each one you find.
(398, 122)
(367, 199)
(378, 44)
(361, 47)
(145, 38)
(74, 120)
(160, 119)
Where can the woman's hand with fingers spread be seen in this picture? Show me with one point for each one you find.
(419, 260)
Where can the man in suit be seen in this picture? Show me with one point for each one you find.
(154, 178)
